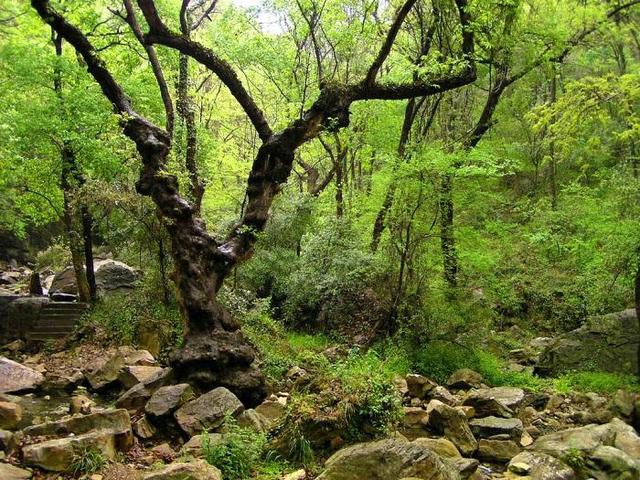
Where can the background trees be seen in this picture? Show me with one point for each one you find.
(507, 194)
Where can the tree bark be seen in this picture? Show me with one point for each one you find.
(447, 239)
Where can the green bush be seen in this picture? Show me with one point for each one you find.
(239, 452)
(601, 382)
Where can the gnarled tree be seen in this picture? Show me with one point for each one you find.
(215, 352)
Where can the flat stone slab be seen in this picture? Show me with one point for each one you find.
(15, 377)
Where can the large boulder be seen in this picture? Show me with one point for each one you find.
(105, 372)
(10, 415)
(388, 459)
(168, 399)
(58, 455)
(464, 379)
(208, 411)
(116, 423)
(498, 451)
(540, 466)
(606, 342)
(453, 424)
(490, 426)
(17, 378)
(9, 472)
(614, 463)
(196, 470)
(111, 275)
(137, 396)
(497, 401)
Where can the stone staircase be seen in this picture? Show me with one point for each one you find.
(56, 320)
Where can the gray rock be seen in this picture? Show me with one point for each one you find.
(131, 375)
(106, 372)
(9, 472)
(10, 415)
(453, 424)
(137, 396)
(489, 402)
(541, 467)
(59, 454)
(167, 399)
(252, 419)
(499, 451)
(385, 460)
(117, 423)
(614, 463)
(606, 343)
(489, 426)
(465, 379)
(419, 386)
(207, 412)
(15, 377)
(196, 470)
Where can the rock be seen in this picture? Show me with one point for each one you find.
(114, 422)
(163, 452)
(443, 395)
(81, 404)
(415, 417)
(487, 404)
(16, 378)
(10, 415)
(554, 403)
(9, 472)
(466, 466)
(59, 454)
(607, 343)
(540, 466)
(419, 386)
(297, 475)
(252, 419)
(441, 446)
(208, 411)
(9, 440)
(194, 446)
(138, 396)
(585, 440)
(272, 410)
(526, 440)
(167, 399)
(143, 428)
(468, 411)
(106, 372)
(295, 373)
(385, 460)
(623, 404)
(110, 275)
(197, 470)
(499, 451)
(614, 463)
(489, 426)
(465, 379)
(400, 384)
(142, 358)
(14, 347)
(453, 425)
(626, 438)
(132, 375)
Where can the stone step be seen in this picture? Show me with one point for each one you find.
(39, 336)
(56, 323)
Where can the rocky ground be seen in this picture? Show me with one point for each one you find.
(121, 403)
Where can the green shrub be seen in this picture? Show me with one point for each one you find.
(239, 452)
(438, 360)
(601, 382)
(87, 460)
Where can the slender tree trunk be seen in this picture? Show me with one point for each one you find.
(637, 305)
(447, 239)
(186, 113)
(553, 180)
(87, 237)
(73, 236)
(339, 186)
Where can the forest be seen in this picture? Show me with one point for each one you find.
(320, 239)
